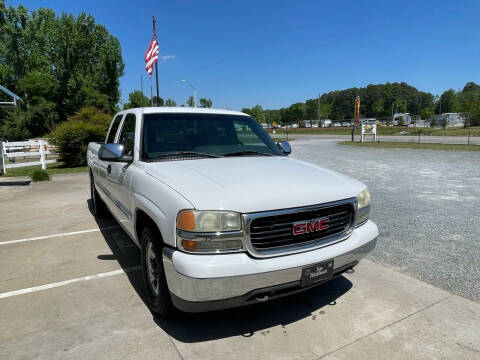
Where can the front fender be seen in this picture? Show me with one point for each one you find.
(161, 204)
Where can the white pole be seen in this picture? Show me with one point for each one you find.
(2, 170)
(42, 155)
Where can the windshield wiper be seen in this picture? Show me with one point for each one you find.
(247, 152)
(186, 153)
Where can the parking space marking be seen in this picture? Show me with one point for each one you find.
(57, 235)
(67, 282)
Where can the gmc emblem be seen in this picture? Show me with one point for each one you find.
(306, 227)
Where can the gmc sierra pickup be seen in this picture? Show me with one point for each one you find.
(222, 215)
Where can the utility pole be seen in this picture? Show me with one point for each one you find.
(141, 85)
(194, 92)
(318, 112)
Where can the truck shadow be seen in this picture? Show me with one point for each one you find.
(249, 320)
(243, 321)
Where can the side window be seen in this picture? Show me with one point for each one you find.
(113, 129)
(127, 135)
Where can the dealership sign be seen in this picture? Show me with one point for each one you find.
(369, 129)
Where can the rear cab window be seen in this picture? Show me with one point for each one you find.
(127, 134)
(113, 129)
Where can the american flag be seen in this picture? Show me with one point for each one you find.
(151, 56)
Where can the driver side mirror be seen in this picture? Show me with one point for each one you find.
(113, 152)
(285, 147)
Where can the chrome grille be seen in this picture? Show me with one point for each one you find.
(273, 231)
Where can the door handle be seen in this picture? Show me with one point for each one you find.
(109, 169)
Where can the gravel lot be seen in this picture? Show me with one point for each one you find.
(426, 205)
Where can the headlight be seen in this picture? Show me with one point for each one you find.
(363, 199)
(363, 202)
(209, 231)
(208, 221)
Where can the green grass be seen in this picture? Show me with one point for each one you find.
(52, 169)
(40, 175)
(385, 130)
(412, 145)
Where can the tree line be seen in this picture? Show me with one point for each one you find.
(377, 101)
(57, 65)
(138, 99)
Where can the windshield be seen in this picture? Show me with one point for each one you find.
(203, 134)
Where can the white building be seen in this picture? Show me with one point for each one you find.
(402, 117)
(452, 119)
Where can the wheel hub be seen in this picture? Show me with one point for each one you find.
(152, 269)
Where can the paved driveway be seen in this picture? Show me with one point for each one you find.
(70, 288)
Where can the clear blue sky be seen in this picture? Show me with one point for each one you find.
(274, 53)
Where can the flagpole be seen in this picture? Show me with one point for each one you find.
(157, 103)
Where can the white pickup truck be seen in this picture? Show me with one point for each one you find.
(222, 215)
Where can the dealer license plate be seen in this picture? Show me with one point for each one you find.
(317, 273)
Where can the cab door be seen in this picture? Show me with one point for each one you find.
(101, 169)
(119, 174)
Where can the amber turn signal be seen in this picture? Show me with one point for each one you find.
(189, 245)
(186, 221)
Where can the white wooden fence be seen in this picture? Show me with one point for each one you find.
(25, 149)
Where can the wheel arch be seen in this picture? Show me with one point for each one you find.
(143, 219)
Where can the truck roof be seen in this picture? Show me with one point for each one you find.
(184, 110)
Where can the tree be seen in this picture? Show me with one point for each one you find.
(426, 113)
(191, 101)
(57, 64)
(205, 103)
(257, 113)
(325, 110)
(272, 116)
(444, 122)
(378, 107)
(400, 106)
(296, 112)
(311, 108)
(469, 103)
(169, 102)
(136, 99)
(246, 111)
(448, 102)
(72, 136)
(157, 101)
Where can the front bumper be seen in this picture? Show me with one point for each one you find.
(211, 282)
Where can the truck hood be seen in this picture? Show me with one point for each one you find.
(251, 183)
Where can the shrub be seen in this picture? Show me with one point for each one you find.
(40, 175)
(72, 136)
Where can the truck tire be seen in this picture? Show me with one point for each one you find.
(99, 208)
(155, 283)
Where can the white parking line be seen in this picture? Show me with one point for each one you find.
(57, 235)
(67, 282)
